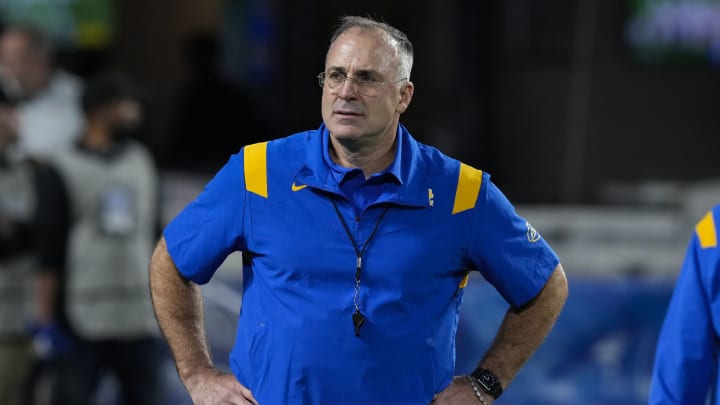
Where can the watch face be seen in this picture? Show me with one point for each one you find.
(487, 380)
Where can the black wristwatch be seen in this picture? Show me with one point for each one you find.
(488, 381)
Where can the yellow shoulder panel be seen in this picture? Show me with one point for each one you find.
(255, 165)
(706, 231)
(464, 281)
(468, 187)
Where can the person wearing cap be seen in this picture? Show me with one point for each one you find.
(112, 186)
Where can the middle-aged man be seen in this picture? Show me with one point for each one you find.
(357, 241)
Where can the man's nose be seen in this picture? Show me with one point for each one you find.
(347, 89)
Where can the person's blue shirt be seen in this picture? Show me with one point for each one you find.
(686, 357)
(420, 226)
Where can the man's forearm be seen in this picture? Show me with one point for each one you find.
(179, 310)
(524, 329)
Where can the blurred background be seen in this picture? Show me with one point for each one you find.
(599, 119)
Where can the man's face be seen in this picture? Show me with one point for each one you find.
(350, 115)
(25, 65)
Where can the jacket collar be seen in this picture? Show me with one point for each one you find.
(407, 168)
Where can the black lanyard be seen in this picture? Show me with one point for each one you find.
(358, 318)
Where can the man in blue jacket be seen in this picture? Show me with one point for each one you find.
(686, 357)
(357, 242)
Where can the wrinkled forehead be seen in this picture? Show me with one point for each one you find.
(363, 49)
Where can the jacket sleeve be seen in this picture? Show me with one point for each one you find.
(208, 229)
(506, 249)
(685, 353)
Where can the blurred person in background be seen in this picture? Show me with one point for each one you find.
(33, 228)
(686, 358)
(112, 186)
(357, 242)
(48, 110)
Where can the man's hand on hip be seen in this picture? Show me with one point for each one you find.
(212, 387)
(460, 392)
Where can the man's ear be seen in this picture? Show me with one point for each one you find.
(406, 95)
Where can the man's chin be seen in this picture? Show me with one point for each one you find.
(345, 131)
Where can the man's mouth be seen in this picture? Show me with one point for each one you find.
(347, 113)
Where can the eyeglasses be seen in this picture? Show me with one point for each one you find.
(365, 85)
